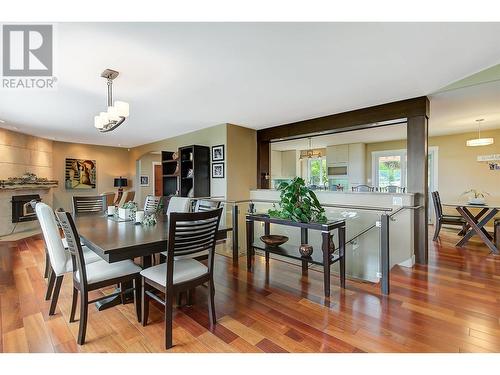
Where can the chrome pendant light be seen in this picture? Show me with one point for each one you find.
(479, 141)
(117, 112)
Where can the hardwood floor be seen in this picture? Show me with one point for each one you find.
(451, 305)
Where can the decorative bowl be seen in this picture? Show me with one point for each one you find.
(305, 250)
(274, 240)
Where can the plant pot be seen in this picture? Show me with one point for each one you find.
(124, 213)
(477, 201)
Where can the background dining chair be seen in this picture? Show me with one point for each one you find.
(93, 276)
(58, 257)
(128, 197)
(392, 189)
(151, 203)
(363, 188)
(178, 204)
(189, 233)
(85, 204)
(445, 219)
(203, 205)
(110, 197)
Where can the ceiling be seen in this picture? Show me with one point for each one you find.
(180, 77)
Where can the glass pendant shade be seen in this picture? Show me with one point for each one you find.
(113, 113)
(479, 142)
(122, 108)
(98, 123)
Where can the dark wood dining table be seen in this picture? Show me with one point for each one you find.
(116, 240)
(476, 221)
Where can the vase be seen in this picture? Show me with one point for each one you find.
(332, 245)
(305, 250)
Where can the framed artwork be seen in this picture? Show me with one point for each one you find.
(218, 153)
(218, 170)
(80, 174)
(144, 180)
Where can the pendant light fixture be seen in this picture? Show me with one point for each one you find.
(310, 153)
(116, 113)
(479, 141)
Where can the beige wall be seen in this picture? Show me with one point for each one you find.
(20, 153)
(111, 162)
(241, 161)
(213, 136)
(458, 169)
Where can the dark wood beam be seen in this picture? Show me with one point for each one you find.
(358, 119)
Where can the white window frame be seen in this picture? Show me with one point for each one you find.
(320, 170)
(378, 154)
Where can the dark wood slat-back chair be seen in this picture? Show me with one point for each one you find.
(152, 203)
(97, 275)
(189, 233)
(445, 219)
(363, 188)
(203, 205)
(89, 204)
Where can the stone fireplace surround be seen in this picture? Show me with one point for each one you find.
(6, 225)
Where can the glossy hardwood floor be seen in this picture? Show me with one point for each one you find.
(451, 305)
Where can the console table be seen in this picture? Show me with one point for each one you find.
(323, 258)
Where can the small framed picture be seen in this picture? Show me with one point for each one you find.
(218, 153)
(218, 170)
(144, 180)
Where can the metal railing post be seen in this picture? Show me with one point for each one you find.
(384, 250)
(235, 234)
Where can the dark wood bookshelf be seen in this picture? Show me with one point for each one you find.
(197, 159)
(170, 177)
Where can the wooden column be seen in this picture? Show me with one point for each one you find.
(417, 166)
(263, 164)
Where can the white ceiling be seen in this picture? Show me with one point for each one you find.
(180, 77)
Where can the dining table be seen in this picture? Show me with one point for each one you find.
(476, 221)
(115, 240)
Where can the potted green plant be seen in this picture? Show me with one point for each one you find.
(476, 196)
(298, 203)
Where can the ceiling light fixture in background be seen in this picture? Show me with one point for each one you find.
(479, 141)
(117, 112)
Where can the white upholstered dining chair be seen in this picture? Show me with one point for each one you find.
(58, 255)
(178, 204)
(92, 276)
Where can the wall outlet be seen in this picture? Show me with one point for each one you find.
(379, 275)
(355, 244)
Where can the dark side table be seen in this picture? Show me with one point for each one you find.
(324, 258)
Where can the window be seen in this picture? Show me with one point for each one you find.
(316, 171)
(389, 168)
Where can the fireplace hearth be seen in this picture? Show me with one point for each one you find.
(21, 207)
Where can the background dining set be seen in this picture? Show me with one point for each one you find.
(470, 221)
(185, 236)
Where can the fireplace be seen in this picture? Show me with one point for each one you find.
(21, 207)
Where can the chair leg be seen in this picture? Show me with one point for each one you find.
(137, 297)
(179, 298)
(55, 295)
(437, 228)
(122, 293)
(169, 302)
(144, 304)
(47, 265)
(73, 305)
(189, 297)
(84, 305)
(211, 303)
(50, 285)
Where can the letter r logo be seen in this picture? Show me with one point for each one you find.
(27, 50)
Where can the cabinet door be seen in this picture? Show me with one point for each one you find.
(337, 154)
